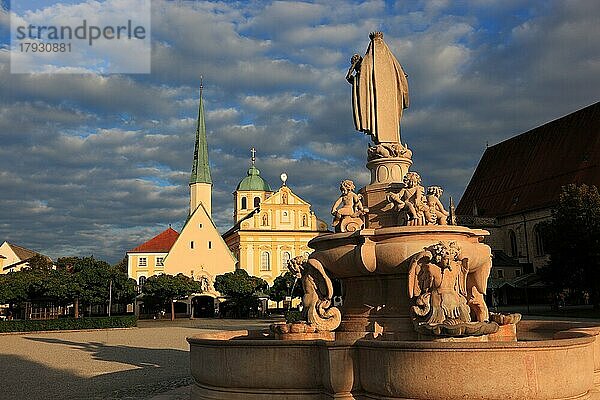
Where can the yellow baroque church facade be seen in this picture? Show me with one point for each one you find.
(270, 227)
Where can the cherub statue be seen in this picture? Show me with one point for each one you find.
(348, 210)
(318, 292)
(409, 201)
(435, 214)
(443, 304)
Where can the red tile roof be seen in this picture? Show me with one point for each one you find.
(527, 171)
(160, 243)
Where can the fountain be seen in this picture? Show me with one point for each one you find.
(414, 323)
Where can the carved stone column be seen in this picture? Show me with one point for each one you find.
(388, 170)
(386, 177)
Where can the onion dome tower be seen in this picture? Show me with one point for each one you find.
(250, 192)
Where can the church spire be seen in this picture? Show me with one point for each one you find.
(200, 168)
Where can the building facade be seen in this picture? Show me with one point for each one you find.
(270, 227)
(13, 258)
(198, 251)
(517, 183)
(148, 258)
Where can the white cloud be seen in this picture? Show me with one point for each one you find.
(97, 164)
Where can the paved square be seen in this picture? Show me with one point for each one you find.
(134, 363)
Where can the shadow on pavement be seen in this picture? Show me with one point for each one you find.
(26, 379)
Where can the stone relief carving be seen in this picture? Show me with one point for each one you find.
(206, 282)
(348, 211)
(388, 150)
(443, 304)
(318, 292)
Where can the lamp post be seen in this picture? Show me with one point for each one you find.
(109, 296)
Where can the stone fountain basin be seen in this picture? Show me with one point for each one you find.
(373, 266)
(388, 250)
(562, 363)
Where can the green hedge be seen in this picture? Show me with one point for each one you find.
(127, 321)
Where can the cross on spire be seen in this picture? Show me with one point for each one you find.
(253, 152)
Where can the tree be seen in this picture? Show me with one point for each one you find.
(36, 283)
(59, 287)
(67, 263)
(282, 285)
(163, 289)
(122, 265)
(39, 262)
(91, 279)
(73, 280)
(123, 287)
(242, 290)
(15, 288)
(572, 238)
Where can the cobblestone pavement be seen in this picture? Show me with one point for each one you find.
(138, 363)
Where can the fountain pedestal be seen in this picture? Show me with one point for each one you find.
(386, 178)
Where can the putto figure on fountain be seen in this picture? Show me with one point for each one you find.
(414, 208)
(348, 210)
(410, 202)
(436, 214)
(443, 301)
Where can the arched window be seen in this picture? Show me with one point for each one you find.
(285, 216)
(265, 220)
(513, 243)
(142, 280)
(244, 203)
(539, 241)
(284, 198)
(265, 261)
(256, 201)
(304, 220)
(286, 256)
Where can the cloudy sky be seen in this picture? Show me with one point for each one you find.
(96, 164)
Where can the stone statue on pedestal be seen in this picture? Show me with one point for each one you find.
(379, 91)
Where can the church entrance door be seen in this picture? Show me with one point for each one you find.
(204, 307)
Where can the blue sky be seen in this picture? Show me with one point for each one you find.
(96, 164)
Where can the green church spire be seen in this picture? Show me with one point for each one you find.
(200, 168)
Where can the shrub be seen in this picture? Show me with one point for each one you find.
(127, 321)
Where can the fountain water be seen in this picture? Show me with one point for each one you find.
(414, 323)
